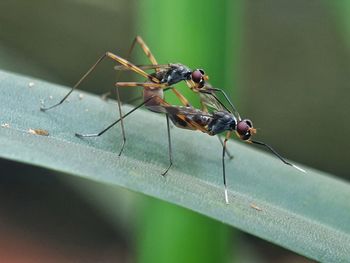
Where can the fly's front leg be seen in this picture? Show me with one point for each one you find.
(230, 156)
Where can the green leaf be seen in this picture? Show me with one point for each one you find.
(306, 213)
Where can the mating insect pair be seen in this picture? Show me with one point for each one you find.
(217, 120)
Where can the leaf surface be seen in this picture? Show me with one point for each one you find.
(306, 213)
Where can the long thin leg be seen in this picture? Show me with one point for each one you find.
(181, 97)
(160, 102)
(132, 67)
(121, 122)
(205, 109)
(230, 156)
(228, 134)
(148, 53)
(277, 154)
(140, 97)
(145, 49)
(141, 84)
(114, 57)
(170, 149)
(164, 86)
(75, 86)
(144, 67)
(114, 123)
(185, 102)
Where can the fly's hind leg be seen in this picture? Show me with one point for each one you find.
(109, 55)
(80, 135)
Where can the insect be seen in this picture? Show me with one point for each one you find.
(172, 73)
(161, 80)
(218, 122)
(220, 119)
(187, 117)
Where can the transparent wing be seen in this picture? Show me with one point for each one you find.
(188, 117)
(210, 99)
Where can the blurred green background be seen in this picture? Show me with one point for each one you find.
(284, 63)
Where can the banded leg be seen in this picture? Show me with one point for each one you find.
(148, 53)
(152, 59)
(141, 84)
(150, 56)
(140, 97)
(181, 97)
(145, 48)
(164, 86)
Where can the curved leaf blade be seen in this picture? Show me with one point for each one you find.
(306, 213)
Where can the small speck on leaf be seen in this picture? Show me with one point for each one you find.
(5, 125)
(81, 96)
(31, 84)
(39, 132)
(254, 206)
(105, 96)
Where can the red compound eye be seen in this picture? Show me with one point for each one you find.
(243, 128)
(249, 122)
(197, 75)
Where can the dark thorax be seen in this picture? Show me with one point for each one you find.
(221, 121)
(174, 74)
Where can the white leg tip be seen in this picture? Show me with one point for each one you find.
(298, 168)
(226, 196)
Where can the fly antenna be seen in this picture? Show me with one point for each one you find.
(278, 155)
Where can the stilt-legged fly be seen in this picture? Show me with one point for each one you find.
(187, 117)
(162, 79)
(220, 118)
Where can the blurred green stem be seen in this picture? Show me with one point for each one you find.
(342, 11)
(200, 34)
(170, 233)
